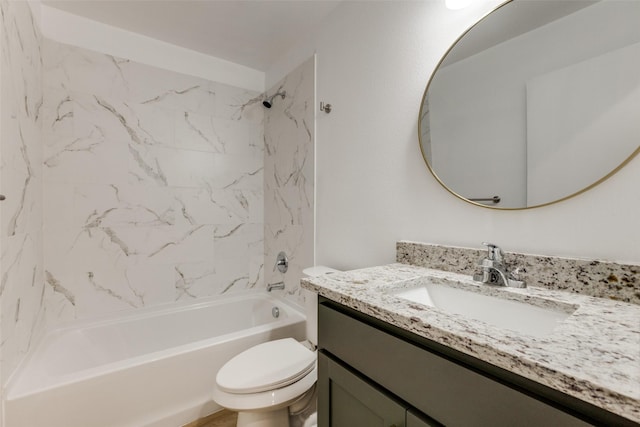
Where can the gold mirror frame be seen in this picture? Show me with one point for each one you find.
(424, 156)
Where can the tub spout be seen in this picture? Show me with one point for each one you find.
(277, 286)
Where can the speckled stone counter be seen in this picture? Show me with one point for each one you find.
(593, 355)
(589, 277)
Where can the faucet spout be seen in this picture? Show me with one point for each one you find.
(494, 271)
(275, 286)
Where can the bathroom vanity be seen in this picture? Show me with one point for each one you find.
(385, 360)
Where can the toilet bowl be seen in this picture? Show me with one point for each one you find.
(261, 383)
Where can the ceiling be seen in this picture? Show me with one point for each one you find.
(254, 33)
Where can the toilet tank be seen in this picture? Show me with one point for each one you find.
(311, 301)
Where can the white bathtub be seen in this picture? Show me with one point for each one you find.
(153, 367)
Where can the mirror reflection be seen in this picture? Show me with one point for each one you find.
(537, 102)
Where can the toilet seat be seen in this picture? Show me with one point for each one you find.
(268, 376)
(267, 366)
(266, 400)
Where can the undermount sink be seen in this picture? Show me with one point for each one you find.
(506, 314)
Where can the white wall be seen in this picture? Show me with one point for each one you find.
(67, 28)
(374, 60)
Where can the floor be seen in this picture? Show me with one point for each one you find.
(219, 419)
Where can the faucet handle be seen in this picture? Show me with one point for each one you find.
(517, 274)
(282, 263)
(494, 253)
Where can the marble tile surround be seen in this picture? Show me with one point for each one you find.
(21, 264)
(153, 185)
(139, 186)
(289, 178)
(594, 278)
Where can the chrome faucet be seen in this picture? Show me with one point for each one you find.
(494, 271)
(275, 286)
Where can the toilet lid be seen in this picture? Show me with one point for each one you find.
(267, 366)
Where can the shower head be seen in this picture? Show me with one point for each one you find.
(269, 101)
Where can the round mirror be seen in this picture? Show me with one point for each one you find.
(536, 103)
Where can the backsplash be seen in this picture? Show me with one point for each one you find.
(289, 177)
(153, 185)
(619, 282)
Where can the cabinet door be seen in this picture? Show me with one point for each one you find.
(347, 400)
(415, 419)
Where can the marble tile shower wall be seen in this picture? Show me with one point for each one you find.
(289, 178)
(153, 185)
(21, 98)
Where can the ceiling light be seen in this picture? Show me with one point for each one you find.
(457, 4)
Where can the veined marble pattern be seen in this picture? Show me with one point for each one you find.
(595, 278)
(21, 97)
(153, 185)
(288, 178)
(593, 355)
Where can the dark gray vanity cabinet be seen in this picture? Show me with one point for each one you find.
(371, 373)
(354, 401)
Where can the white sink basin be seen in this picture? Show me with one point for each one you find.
(506, 314)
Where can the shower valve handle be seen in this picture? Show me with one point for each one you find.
(282, 263)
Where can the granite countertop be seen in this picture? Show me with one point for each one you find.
(593, 355)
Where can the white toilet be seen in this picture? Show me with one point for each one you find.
(261, 383)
